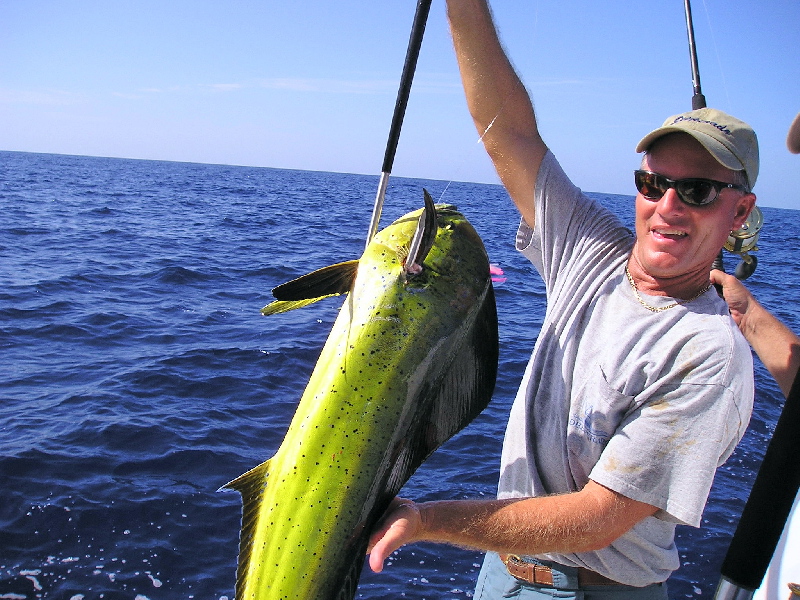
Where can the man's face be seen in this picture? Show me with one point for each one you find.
(676, 241)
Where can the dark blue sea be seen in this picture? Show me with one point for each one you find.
(137, 375)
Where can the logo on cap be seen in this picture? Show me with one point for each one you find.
(723, 128)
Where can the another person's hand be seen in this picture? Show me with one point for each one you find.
(738, 297)
(397, 528)
(776, 345)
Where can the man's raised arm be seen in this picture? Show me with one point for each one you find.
(496, 96)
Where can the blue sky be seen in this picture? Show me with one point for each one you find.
(312, 84)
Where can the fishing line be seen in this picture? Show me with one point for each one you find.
(533, 40)
(716, 51)
(480, 139)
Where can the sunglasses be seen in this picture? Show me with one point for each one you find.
(694, 192)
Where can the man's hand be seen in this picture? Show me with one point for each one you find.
(397, 528)
(575, 522)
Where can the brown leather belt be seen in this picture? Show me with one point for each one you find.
(542, 575)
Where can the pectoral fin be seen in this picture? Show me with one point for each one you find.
(279, 306)
(322, 283)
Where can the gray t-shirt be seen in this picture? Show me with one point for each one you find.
(646, 404)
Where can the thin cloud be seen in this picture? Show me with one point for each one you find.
(226, 87)
(39, 97)
(126, 96)
(423, 84)
(335, 86)
(570, 82)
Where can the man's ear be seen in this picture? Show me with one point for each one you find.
(743, 209)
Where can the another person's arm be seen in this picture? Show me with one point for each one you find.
(776, 345)
(577, 522)
(496, 96)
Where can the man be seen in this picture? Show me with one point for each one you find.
(639, 385)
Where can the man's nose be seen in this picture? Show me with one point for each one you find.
(671, 203)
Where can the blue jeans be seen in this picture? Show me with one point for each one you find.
(496, 583)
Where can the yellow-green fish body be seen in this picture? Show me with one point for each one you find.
(411, 359)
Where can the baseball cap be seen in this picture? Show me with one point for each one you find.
(731, 142)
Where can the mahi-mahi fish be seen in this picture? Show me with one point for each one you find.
(410, 361)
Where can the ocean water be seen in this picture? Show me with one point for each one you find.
(137, 375)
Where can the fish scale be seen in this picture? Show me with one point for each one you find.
(410, 360)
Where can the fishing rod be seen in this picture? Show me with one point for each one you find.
(414, 45)
(698, 99)
(767, 509)
(742, 240)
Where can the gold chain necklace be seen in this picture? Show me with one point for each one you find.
(657, 309)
